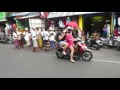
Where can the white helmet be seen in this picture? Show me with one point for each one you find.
(69, 28)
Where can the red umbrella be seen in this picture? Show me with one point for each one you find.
(72, 24)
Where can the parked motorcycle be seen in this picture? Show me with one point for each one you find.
(94, 43)
(111, 42)
(118, 45)
(82, 52)
(8, 40)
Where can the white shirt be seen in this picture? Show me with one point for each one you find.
(27, 36)
(45, 35)
(52, 37)
(19, 35)
(14, 35)
(34, 34)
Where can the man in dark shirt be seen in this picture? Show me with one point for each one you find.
(61, 40)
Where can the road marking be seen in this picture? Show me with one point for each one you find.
(98, 60)
(105, 61)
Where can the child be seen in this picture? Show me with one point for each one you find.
(52, 40)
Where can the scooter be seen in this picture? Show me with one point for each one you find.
(111, 42)
(95, 44)
(8, 40)
(118, 45)
(82, 52)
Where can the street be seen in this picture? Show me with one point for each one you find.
(24, 63)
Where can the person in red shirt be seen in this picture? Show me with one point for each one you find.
(116, 32)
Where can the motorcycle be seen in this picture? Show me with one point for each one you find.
(82, 52)
(111, 42)
(118, 45)
(95, 43)
(8, 40)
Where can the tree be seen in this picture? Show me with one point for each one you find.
(8, 14)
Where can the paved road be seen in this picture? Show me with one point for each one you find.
(25, 64)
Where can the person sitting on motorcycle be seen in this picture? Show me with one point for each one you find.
(70, 41)
(93, 38)
(61, 40)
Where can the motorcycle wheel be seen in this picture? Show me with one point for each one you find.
(118, 47)
(87, 56)
(59, 55)
(10, 42)
(98, 48)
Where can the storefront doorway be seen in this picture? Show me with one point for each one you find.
(96, 23)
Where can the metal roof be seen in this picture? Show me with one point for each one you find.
(63, 14)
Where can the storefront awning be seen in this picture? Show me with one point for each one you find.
(19, 14)
(30, 15)
(64, 14)
(2, 17)
(3, 20)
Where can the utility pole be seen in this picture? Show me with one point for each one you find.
(112, 22)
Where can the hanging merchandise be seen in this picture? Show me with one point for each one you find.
(68, 20)
(64, 21)
(61, 25)
(52, 27)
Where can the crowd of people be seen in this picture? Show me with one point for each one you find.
(35, 38)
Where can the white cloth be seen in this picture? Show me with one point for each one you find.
(52, 37)
(26, 36)
(6, 31)
(19, 35)
(15, 36)
(61, 24)
(45, 35)
(34, 34)
(35, 43)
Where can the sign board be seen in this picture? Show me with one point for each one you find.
(2, 15)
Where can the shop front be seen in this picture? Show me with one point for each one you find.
(2, 21)
(116, 17)
(32, 19)
(100, 23)
(69, 16)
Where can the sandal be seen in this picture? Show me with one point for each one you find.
(64, 53)
(73, 61)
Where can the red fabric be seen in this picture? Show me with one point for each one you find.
(116, 32)
(69, 40)
(64, 21)
(20, 43)
(14, 26)
(49, 23)
(73, 24)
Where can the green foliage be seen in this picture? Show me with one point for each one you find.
(8, 14)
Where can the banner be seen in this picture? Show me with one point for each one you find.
(2, 15)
